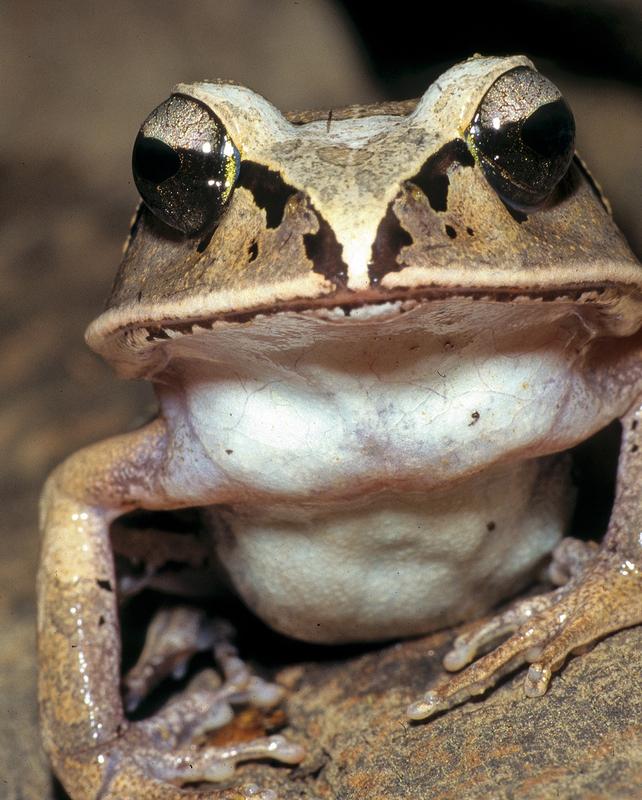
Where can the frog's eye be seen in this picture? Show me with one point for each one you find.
(185, 165)
(523, 136)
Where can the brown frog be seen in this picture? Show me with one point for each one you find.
(372, 332)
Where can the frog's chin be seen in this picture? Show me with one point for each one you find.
(291, 408)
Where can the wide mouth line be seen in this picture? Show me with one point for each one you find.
(345, 304)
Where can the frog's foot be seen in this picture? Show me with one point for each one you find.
(604, 596)
(155, 757)
(172, 745)
(176, 634)
(138, 768)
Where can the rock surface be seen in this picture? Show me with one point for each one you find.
(582, 740)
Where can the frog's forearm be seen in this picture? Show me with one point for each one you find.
(95, 751)
(624, 535)
(78, 639)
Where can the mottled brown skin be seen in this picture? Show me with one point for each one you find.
(160, 267)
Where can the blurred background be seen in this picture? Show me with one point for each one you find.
(76, 80)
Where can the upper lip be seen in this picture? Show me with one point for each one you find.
(347, 301)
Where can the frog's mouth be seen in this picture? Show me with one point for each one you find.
(127, 337)
(370, 305)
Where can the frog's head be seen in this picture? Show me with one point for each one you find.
(473, 190)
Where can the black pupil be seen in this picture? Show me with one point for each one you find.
(155, 161)
(549, 131)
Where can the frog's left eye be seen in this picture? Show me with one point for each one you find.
(523, 136)
(185, 165)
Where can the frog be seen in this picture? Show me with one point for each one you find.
(375, 333)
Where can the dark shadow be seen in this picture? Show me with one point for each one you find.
(58, 793)
(594, 472)
(406, 54)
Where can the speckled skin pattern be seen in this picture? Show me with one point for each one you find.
(371, 409)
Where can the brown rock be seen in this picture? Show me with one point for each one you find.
(583, 739)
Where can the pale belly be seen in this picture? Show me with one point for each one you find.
(394, 565)
(389, 479)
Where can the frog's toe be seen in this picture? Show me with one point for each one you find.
(485, 633)
(211, 764)
(207, 704)
(604, 597)
(177, 633)
(174, 635)
(570, 559)
(156, 756)
(145, 772)
(476, 679)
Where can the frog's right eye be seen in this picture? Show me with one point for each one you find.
(185, 165)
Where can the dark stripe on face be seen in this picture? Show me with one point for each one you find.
(269, 190)
(432, 178)
(390, 239)
(324, 251)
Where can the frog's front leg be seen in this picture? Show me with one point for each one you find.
(602, 596)
(95, 750)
